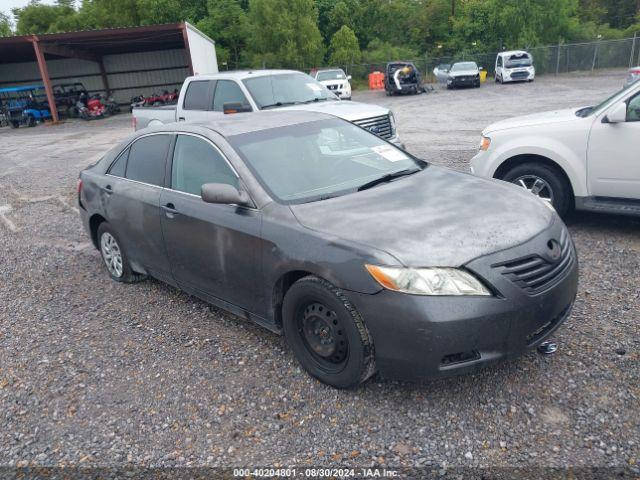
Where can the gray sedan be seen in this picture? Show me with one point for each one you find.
(366, 258)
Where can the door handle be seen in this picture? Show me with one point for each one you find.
(108, 189)
(170, 210)
(181, 119)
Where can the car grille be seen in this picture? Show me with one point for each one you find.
(520, 75)
(466, 78)
(380, 126)
(333, 87)
(535, 273)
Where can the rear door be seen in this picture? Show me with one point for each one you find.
(614, 155)
(132, 201)
(213, 248)
(196, 104)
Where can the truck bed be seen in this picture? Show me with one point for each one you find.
(150, 116)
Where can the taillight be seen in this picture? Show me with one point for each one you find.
(79, 186)
(134, 122)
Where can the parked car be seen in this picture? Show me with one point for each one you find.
(634, 75)
(402, 77)
(24, 105)
(463, 74)
(441, 72)
(207, 97)
(335, 80)
(367, 258)
(514, 66)
(585, 158)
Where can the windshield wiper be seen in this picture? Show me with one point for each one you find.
(314, 100)
(584, 112)
(278, 104)
(388, 177)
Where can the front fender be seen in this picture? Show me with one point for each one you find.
(568, 151)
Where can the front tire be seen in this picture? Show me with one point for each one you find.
(327, 334)
(544, 181)
(115, 257)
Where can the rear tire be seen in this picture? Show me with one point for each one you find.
(114, 256)
(327, 334)
(549, 178)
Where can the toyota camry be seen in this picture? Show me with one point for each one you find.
(366, 258)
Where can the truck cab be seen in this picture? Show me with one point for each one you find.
(207, 97)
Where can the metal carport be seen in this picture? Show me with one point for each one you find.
(117, 60)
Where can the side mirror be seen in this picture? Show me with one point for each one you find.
(223, 193)
(236, 107)
(349, 77)
(617, 114)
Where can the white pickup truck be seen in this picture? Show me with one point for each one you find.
(584, 158)
(204, 97)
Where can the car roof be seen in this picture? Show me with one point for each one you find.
(514, 52)
(242, 74)
(239, 123)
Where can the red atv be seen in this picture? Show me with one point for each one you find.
(91, 108)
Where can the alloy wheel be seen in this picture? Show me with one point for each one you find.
(537, 186)
(111, 254)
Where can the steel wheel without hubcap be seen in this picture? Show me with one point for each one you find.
(324, 336)
(111, 254)
(537, 186)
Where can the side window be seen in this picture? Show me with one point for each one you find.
(196, 162)
(633, 109)
(118, 167)
(147, 158)
(197, 96)
(227, 91)
(499, 61)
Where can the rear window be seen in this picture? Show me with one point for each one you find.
(197, 96)
(147, 157)
(118, 167)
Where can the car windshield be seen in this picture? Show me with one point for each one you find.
(464, 66)
(270, 91)
(444, 66)
(517, 61)
(322, 159)
(330, 75)
(587, 111)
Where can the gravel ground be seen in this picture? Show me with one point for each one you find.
(98, 374)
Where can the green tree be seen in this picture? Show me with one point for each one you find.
(228, 24)
(285, 33)
(39, 18)
(5, 25)
(344, 49)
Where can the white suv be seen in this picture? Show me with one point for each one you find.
(587, 158)
(336, 81)
(515, 66)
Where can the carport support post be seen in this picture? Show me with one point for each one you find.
(103, 74)
(44, 73)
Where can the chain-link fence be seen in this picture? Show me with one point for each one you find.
(553, 59)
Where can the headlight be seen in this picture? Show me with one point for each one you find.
(485, 142)
(392, 122)
(428, 281)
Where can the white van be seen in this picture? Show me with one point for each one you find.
(515, 66)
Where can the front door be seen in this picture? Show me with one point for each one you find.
(212, 248)
(613, 156)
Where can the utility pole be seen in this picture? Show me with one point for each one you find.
(633, 48)
(453, 8)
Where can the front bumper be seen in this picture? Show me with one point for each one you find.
(419, 336)
(462, 82)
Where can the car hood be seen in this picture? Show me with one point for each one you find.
(333, 82)
(348, 110)
(544, 118)
(437, 217)
(461, 73)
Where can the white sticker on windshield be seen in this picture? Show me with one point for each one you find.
(390, 153)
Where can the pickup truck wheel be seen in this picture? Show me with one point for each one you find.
(544, 182)
(327, 334)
